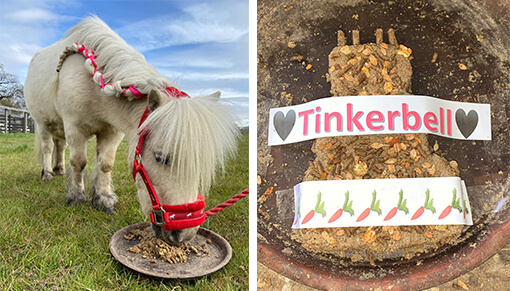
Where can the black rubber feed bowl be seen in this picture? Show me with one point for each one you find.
(471, 33)
(194, 268)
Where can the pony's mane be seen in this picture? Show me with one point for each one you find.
(199, 134)
(117, 60)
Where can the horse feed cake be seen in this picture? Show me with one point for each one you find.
(375, 69)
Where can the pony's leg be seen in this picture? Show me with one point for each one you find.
(77, 161)
(103, 197)
(59, 157)
(46, 150)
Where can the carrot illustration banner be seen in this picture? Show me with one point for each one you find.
(389, 114)
(379, 202)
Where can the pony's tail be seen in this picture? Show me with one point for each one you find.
(37, 147)
(54, 83)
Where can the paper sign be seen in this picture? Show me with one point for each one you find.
(380, 202)
(388, 114)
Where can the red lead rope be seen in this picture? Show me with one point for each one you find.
(228, 203)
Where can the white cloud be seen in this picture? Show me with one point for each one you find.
(225, 92)
(203, 76)
(186, 32)
(24, 52)
(210, 66)
(32, 15)
(240, 107)
(188, 61)
(232, 56)
(236, 101)
(200, 23)
(26, 27)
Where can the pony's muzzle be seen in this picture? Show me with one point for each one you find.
(176, 236)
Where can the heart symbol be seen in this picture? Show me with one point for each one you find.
(466, 123)
(284, 123)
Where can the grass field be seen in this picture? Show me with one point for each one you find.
(46, 245)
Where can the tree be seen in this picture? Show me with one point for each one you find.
(11, 90)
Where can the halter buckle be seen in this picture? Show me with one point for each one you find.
(154, 217)
(138, 158)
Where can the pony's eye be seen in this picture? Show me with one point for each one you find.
(161, 158)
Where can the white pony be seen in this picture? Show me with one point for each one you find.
(189, 137)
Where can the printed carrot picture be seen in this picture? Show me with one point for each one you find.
(374, 206)
(428, 205)
(347, 208)
(455, 204)
(319, 208)
(466, 210)
(401, 205)
(298, 214)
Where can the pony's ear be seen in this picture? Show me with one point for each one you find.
(215, 96)
(155, 100)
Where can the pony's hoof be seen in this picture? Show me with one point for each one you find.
(109, 210)
(47, 176)
(75, 198)
(104, 201)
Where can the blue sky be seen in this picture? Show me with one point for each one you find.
(201, 45)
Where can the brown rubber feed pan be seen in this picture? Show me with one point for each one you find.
(220, 254)
(471, 33)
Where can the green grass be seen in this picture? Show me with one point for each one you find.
(45, 245)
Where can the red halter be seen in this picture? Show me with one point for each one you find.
(173, 216)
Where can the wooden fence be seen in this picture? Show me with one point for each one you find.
(14, 120)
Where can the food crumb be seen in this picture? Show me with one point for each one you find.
(462, 285)
(297, 58)
(370, 236)
(462, 66)
(434, 57)
(291, 44)
(309, 66)
(128, 236)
